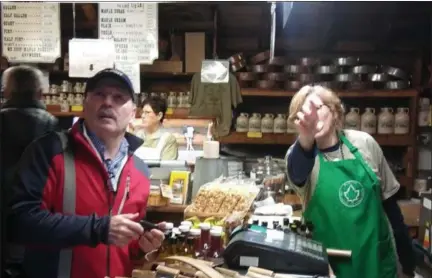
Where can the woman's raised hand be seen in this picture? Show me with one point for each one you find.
(307, 122)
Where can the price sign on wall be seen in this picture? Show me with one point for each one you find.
(89, 56)
(31, 32)
(132, 70)
(134, 29)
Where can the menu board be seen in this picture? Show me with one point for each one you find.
(31, 32)
(134, 29)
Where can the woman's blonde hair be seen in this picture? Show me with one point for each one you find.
(328, 97)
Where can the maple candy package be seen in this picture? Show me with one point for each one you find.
(222, 197)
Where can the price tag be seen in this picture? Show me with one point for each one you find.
(169, 111)
(77, 108)
(254, 134)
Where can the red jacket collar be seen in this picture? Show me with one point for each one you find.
(78, 135)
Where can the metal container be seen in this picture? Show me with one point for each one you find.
(328, 69)
(397, 85)
(346, 61)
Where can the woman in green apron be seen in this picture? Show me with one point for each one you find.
(345, 180)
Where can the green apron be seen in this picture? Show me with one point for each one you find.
(347, 213)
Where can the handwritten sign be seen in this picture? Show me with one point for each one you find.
(134, 29)
(89, 56)
(31, 32)
(132, 70)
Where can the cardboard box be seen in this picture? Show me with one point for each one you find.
(425, 227)
(194, 51)
(410, 211)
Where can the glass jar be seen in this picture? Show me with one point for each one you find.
(182, 242)
(173, 246)
(215, 243)
(205, 239)
(166, 245)
(186, 223)
(260, 171)
(195, 235)
(168, 228)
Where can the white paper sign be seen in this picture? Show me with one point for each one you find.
(89, 56)
(45, 82)
(134, 29)
(31, 32)
(132, 70)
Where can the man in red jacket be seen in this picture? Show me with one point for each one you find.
(78, 195)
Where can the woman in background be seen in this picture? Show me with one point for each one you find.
(348, 189)
(158, 144)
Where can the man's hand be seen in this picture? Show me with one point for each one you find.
(152, 240)
(123, 229)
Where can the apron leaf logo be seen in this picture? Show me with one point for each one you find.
(351, 193)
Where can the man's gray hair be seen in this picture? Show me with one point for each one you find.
(23, 81)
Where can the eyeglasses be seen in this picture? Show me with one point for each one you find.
(146, 113)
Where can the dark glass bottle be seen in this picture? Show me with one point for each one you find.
(302, 230)
(310, 229)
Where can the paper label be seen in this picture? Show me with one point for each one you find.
(249, 261)
(254, 134)
(169, 111)
(427, 203)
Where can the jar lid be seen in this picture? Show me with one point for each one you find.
(169, 226)
(216, 232)
(176, 231)
(217, 228)
(205, 226)
(184, 229)
(186, 223)
(195, 232)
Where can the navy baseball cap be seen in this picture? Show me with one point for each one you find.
(110, 73)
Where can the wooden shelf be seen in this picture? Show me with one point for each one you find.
(144, 75)
(66, 114)
(183, 113)
(267, 138)
(168, 209)
(342, 94)
(178, 113)
(288, 139)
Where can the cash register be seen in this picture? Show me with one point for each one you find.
(282, 252)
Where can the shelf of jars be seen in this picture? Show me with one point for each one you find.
(343, 94)
(288, 139)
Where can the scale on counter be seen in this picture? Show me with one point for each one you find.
(278, 251)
